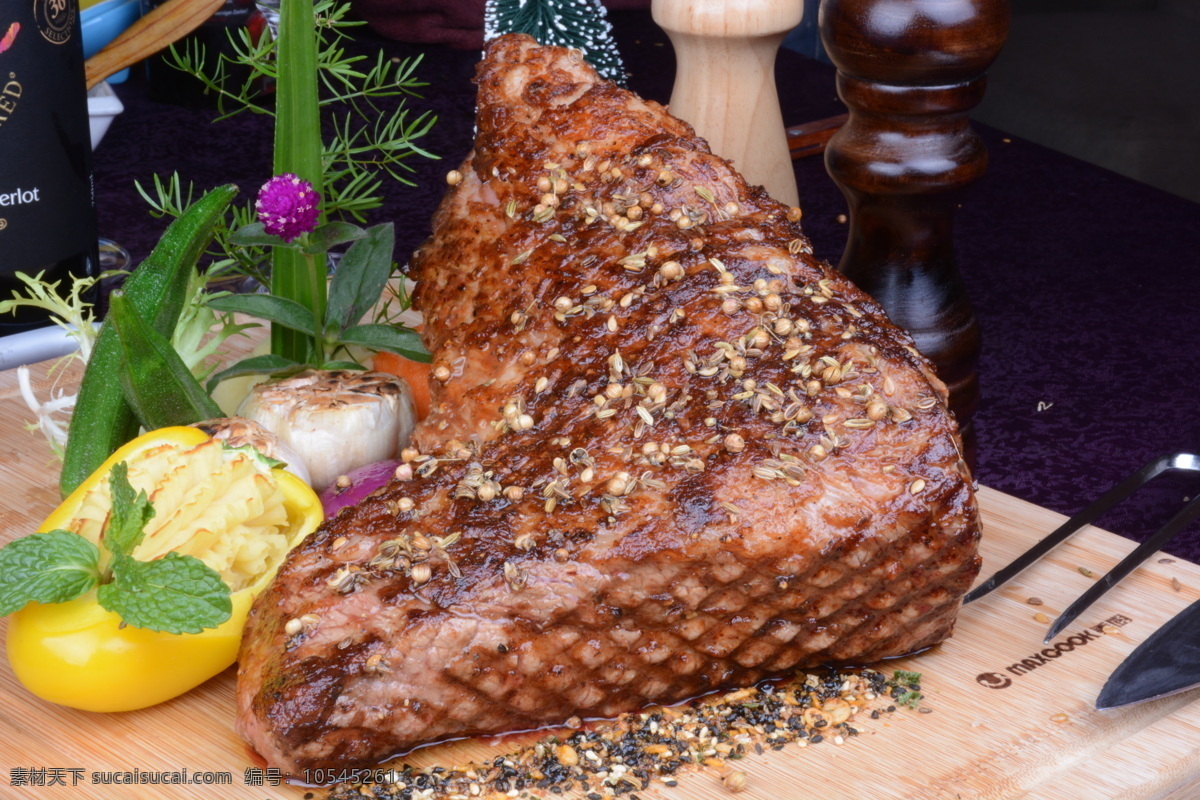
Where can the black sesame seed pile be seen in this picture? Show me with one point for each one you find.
(622, 757)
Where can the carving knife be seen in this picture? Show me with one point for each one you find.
(1166, 663)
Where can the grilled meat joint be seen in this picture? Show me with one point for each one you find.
(669, 451)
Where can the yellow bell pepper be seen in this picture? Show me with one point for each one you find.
(77, 654)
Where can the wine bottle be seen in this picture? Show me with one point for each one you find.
(47, 205)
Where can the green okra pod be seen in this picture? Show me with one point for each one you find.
(156, 383)
(156, 291)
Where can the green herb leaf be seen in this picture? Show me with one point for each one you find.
(360, 278)
(403, 341)
(255, 453)
(49, 567)
(909, 699)
(254, 234)
(906, 678)
(255, 365)
(72, 310)
(351, 365)
(200, 331)
(279, 310)
(174, 594)
(130, 513)
(332, 234)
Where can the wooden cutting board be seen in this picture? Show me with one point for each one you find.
(1011, 718)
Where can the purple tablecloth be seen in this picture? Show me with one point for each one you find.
(1084, 282)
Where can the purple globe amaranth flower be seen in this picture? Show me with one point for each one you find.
(287, 206)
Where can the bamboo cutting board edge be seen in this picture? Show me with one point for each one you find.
(978, 744)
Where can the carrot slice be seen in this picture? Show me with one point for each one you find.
(414, 372)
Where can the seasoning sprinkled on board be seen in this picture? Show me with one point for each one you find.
(624, 756)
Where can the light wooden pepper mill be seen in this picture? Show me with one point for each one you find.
(725, 81)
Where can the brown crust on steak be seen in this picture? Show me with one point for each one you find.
(805, 501)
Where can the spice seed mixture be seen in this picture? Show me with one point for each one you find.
(622, 757)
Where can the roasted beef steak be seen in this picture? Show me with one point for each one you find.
(669, 452)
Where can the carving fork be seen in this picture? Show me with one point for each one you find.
(1115, 495)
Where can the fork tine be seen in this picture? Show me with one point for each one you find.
(1065, 531)
(1127, 565)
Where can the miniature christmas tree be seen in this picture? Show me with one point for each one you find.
(582, 24)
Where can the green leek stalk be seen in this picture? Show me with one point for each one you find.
(297, 276)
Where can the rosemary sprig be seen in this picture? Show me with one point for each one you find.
(366, 141)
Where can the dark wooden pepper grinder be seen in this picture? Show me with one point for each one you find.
(910, 71)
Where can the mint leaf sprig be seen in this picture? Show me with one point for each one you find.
(174, 594)
(49, 567)
(129, 515)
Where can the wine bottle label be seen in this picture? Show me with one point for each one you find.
(45, 146)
